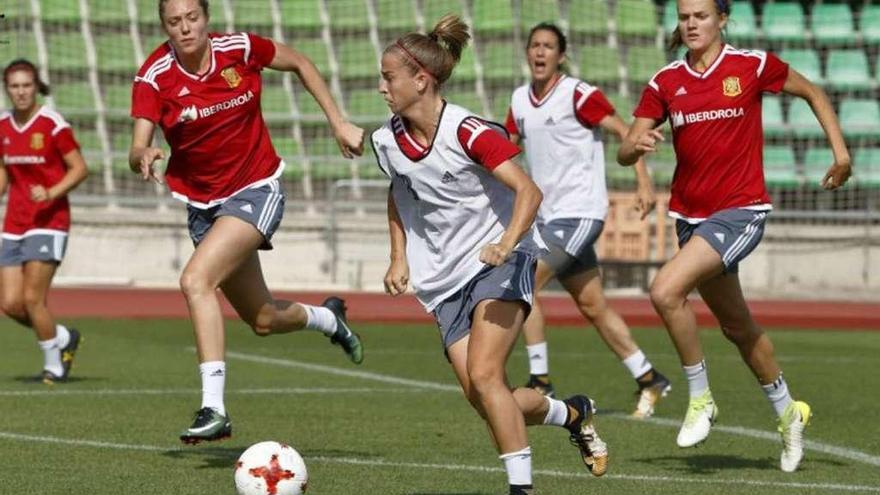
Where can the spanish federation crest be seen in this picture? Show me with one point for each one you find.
(231, 76)
(731, 86)
(38, 141)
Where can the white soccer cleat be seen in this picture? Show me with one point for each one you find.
(791, 425)
(699, 419)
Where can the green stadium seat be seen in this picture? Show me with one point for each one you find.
(784, 22)
(867, 167)
(285, 145)
(59, 11)
(848, 70)
(356, 59)
(367, 105)
(150, 42)
(467, 99)
(806, 62)
(817, 161)
(636, 18)
(116, 53)
(588, 17)
(293, 168)
(67, 51)
(347, 16)
(860, 118)
(643, 62)
(623, 106)
(396, 15)
(433, 10)
(870, 24)
(18, 45)
(466, 69)
(148, 12)
(599, 64)
(274, 101)
(13, 11)
(323, 147)
(108, 12)
(670, 16)
(120, 142)
(533, 12)
(802, 120)
(500, 105)
(74, 98)
(492, 17)
(500, 60)
(308, 107)
(253, 13)
(832, 24)
(302, 14)
(316, 50)
(742, 25)
(774, 123)
(368, 168)
(117, 98)
(780, 169)
(87, 138)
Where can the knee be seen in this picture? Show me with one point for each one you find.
(593, 309)
(262, 324)
(665, 298)
(193, 283)
(483, 380)
(14, 308)
(33, 299)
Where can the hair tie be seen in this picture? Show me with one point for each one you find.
(414, 59)
(722, 6)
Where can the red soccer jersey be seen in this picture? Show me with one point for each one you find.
(33, 155)
(219, 142)
(717, 131)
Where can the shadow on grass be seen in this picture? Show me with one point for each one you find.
(710, 463)
(38, 379)
(225, 457)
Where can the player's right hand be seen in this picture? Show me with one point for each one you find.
(647, 142)
(147, 168)
(397, 278)
(350, 139)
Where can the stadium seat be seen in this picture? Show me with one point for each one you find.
(816, 164)
(308, 107)
(774, 123)
(870, 24)
(116, 53)
(150, 42)
(492, 17)
(467, 99)
(867, 167)
(783, 22)
(670, 16)
(60, 11)
(347, 16)
(67, 51)
(643, 62)
(316, 50)
(13, 11)
(599, 64)
(780, 167)
(848, 70)
(120, 142)
(435, 9)
(303, 14)
(105, 12)
(588, 17)
(356, 59)
(274, 101)
(623, 105)
(806, 62)
(802, 120)
(396, 15)
(533, 12)
(832, 24)
(636, 18)
(74, 98)
(293, 168)
(367, 105)
(250, 14)
(19, 45)
(285, 145)
(860, 118)
(148, 12)
(742, 25)
(117, 98)
(500, 60)
(87, 138)
(500, 105)
(466, 69)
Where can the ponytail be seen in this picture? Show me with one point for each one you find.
(436, 53)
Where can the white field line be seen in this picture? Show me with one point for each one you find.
(463, 467)
(824, 448)
(184, 391)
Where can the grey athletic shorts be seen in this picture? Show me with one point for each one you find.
(36, 247)
(512, 281)
(261, 207)
(734, 233)
(571, 243)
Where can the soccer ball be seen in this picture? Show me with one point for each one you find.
(270, 468)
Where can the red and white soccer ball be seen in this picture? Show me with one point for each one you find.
(270, 468)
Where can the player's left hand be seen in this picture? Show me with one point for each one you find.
(494, 254)
(40, 193)
(836, 176)
(350, 139)
(646, 200)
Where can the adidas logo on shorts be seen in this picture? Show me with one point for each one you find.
(44, 249)
(248, 208)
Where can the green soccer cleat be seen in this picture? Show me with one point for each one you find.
(208, 426)
(344, 337)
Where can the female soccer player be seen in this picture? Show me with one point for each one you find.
(460, 217)
(41, 163)
(203, 90)
(713, 101)
(559, 120)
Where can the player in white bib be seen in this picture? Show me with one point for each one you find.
(461, 216)
(559, 120)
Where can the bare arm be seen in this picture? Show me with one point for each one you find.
(397, 277)
(349, 136)
(797, 85)
(4, 178)
(646, 197)
(142, 154)
(642, 138)
(525, 208)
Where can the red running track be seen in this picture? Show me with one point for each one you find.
(372, 307)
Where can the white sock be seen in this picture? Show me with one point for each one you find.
(777, 394)
(637, 364)
(62, 336)
(538, 361)
(557, 413)
(320, 318)
(518, 466)
(213, 382)
(52, 356)
(698, 378)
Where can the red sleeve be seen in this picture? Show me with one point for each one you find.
(772, 73)
(484, 144)
(262, 50)
(591, 107)
(510, 124)
(65, 142)
(145, 101)
(651, 105)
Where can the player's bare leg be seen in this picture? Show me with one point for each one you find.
(13, 294)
